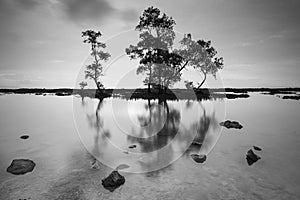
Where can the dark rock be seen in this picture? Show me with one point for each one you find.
(251, 157)
(257, 148)
(113, 181)
(198, 158)
(132, 146)
(24, 137)
(21, 166)
(231, 124)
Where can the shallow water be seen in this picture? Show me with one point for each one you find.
(68, 133)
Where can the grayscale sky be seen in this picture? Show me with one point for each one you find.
(41, 44)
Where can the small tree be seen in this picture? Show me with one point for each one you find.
(201, 56)
(83, 84)
(95, 70)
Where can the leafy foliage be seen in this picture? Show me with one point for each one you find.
(154, 50)
(200, 55)
(160, 61)
(83, 84)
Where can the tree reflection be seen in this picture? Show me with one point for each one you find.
(96, 122)
(158, 127)
(83, 103)
(163, 135)
(161, 124)
(204, 128)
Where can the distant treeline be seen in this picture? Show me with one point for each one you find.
(78, 91)
(140, 93)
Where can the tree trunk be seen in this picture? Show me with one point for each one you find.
(150, 78)
(96, 60)
(202, 82)
(159, 78)
(165, 89)
(149, 90)
(98, 87)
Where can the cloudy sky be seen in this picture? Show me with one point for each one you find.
(41, 44)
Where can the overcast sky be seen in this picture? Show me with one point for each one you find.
(41, 44)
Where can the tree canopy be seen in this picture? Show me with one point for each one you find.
(83, 84)
(158, 58)
(201, 56)
(154, 50)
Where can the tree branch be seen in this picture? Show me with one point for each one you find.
(202, 81)
(168, 81)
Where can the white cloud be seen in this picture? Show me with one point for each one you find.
(275, 36)
(57, 61)
(245, 44)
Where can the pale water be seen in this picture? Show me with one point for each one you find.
(67, 135)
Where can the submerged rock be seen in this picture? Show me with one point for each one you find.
(113, 181)
(122, 166)
(21, 166)
(251, 157)
(132, 146)
(95, 164)
(231, 124)
(198, 158)
(256, 148)
(24, 137)
(75, 193)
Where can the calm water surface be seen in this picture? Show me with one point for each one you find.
(68, 135)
